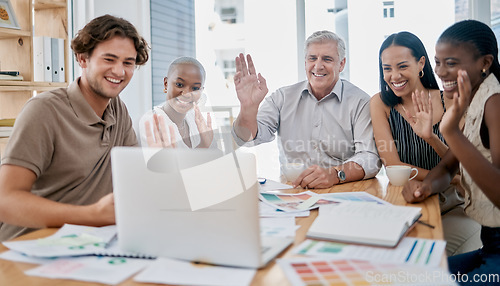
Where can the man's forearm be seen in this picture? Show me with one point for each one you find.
(28, 210)
(353, 171)
(245, 125)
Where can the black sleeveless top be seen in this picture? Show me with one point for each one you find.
(411, 148)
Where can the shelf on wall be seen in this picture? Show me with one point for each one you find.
(13, 85)
(6, 33)
(40, 5)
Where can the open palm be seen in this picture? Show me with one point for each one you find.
(250, 87)
(461, 101)
(422, 122)
(204, 128)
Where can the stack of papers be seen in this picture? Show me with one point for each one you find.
(295, 202)
(91, 254)
(270, 185)
(355, 218)
(299, 204)
(66, 255)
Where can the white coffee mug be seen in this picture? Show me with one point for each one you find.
(293, 170)
(400, 174)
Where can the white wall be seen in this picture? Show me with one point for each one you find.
(137, 95)
(425, 18)
(271, 39)
(318, 17)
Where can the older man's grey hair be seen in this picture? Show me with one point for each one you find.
(187, 61)
(323, 36)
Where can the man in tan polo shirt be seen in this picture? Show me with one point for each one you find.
(56, 167)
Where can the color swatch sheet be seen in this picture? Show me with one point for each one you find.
(309, 200)
(410, 250)
(354, 197)
(294, 202)
(357, 273)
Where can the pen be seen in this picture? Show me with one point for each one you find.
(426, 224)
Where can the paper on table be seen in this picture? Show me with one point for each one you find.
(71, 240)
(354, 197)
(106, 270)
(12, 255)
(278, 226)
(271, 185)
(266, 210)
(410, 250)
(295, 202)
(169, 271)
(324, 271)
(54, 246)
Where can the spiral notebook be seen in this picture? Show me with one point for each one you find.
(113, 250)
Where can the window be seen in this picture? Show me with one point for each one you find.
(228, 15)
(172, 36)
(388, 9)
(229, 69)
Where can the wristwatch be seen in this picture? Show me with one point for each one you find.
(340, 175)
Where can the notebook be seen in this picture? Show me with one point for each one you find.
(364, 223)
(191, 204)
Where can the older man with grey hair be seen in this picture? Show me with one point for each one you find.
(323, 122)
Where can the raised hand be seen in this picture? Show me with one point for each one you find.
(204, 128)
(250, 87)
(461, 100)
(159, 137)
(421, 123)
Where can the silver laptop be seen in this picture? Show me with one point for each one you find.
(197, 205)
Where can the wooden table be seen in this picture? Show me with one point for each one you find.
(11, 273)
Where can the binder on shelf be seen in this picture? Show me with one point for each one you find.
(43, 58)
(61, 67)
(57, 54)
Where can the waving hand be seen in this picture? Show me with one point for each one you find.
(250, 87)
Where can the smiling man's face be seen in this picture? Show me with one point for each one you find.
(323, 67)
(108, 70)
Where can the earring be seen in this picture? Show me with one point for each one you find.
(165, 90)
(421, 74)
(386, 88)
(484, 74)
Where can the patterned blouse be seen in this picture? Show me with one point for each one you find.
(411, 148)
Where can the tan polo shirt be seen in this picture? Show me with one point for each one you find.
(60, 138)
